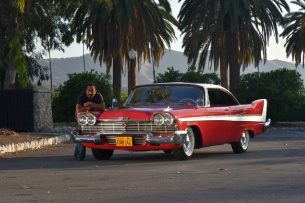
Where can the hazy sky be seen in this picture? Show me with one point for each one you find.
(274, 51)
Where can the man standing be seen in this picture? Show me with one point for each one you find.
(91, 100)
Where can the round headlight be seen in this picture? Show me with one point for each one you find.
(158, 119)
(82, 119)
(91, 119)
(168, 119)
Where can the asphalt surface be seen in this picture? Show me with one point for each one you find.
(272, 170)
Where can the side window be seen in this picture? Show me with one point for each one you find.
(221, 98)
(231, 101)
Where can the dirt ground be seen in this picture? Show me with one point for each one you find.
(9, 137)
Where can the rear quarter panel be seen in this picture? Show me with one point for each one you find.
(249, 117)
(220, 125)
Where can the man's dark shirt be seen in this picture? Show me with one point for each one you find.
(98, 98)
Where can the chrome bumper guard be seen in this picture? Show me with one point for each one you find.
(179, 137)
(267, 125)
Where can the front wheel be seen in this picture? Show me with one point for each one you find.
(186, 150)
(102, 154)
(241, 146)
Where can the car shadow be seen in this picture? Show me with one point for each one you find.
(282, 152)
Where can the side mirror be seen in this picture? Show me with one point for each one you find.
(114, 103)
(199, 102)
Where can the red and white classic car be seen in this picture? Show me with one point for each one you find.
(175, 118)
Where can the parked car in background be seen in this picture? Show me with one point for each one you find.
(174, 117)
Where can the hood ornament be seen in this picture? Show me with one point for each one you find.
(123, 118)
(168, 109)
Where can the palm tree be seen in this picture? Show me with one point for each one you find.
(231, 32)
(113, 27)
(294, 30)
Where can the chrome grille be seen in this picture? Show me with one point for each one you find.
(130, 126)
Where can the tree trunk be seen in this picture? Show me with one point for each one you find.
(135, 72)
(132, 67)
(129, 77)
(51, 78)
(154, 72)
(84, 57)
(117, 74)
(224, 70)
(232, 55)
(10, 74)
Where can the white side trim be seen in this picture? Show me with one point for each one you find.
(254, 118)
(251, 118)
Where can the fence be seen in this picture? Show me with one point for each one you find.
(16, 109)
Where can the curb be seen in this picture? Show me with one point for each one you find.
(34, 144)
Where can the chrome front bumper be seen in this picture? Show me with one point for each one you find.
(179, 137)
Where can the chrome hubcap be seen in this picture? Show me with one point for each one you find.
(244, 140)
(188, 147)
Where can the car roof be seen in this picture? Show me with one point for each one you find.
(204, 85)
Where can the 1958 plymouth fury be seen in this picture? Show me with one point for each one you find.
(174, 117)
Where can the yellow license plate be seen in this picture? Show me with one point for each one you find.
(123, 141)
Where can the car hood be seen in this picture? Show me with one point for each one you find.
(140, 112)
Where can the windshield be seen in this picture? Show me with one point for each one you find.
(164, 94)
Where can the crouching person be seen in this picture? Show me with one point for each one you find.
(90, 100)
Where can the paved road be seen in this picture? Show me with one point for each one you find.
(273, 170)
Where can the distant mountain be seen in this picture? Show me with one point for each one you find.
(62, 66)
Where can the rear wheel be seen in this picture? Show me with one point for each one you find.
(242, 145)
(187, 149)
(102, 154)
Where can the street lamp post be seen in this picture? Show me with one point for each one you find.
(132, 55)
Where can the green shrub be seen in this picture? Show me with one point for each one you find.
(283, 90)
(170, 75)
(124, 97)
(64, 101)
(190, 76)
